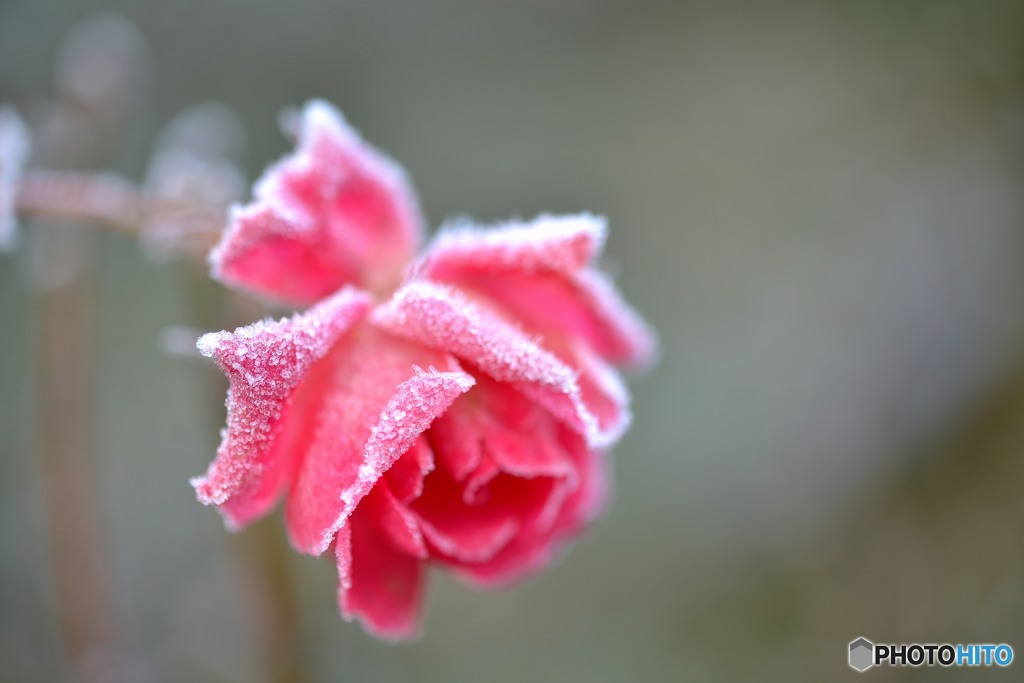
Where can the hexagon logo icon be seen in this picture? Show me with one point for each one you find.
(862, 654)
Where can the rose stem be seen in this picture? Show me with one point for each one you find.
(78, 545)
(111, 202)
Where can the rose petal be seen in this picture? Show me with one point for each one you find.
(394, 520)
(561, 244)
(334, 212)
(466, 533)
(541, 462)
(266, 362)
(537, 271)
(457, 440)
(376, 402)
(585, 306)
(14, 151)
(516, 434)
(593, 492)
(521, 437)
(601, 387)
(519, 482)
(497, 430)
(440, 317)
(405, 478)
(536, 547)
(631, 339)
(474, 490)
(379, 585)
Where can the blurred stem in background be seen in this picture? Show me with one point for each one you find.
(264, 551)
(100, 75)
(96, 69)
(78, 544)
(112, 202)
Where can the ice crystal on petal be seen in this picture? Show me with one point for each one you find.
(415, 405)
(14, 152)
(539, 271)
(559, 243)
(353, 435)
(264, 363)
(440, 317)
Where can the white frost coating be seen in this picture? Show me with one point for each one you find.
(264, 362)
(560, 246)
(546, 242)
(15, 148)
(410, 412)
(440, 317)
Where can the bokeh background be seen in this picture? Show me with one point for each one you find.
(820, 206)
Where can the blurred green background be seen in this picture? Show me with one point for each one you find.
(820, 206)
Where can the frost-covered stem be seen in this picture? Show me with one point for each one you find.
(79, 551)
(109, 201)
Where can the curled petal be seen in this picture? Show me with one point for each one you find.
(454, 529)
(475, 490)
(393, 520)
(405, 478)
(377, 583)
(441, 318)
(375, 403)
(520, 479)
(499, 430)
(458, 439)
(462, 531)
(335, 212)
(631, 339)
(14, 152)
(601, 387)
(538, 272)
(540, 544)
(265, 363)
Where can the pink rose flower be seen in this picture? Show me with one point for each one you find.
(456, 410)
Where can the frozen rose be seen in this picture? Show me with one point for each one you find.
(460, 419)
